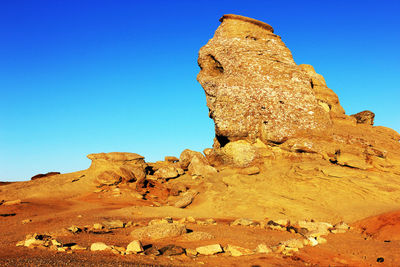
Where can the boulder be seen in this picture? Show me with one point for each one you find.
(186, 158)
(116, 167)
(166, 172)
(263, 248)
(238, 153)
(113, 224)
(158, 231)
(171, 159)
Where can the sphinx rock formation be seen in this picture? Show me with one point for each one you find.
(257, 94)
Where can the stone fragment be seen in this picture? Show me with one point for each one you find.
(237, 251)
(159, 231)
(99, 246)
(263, 248)
(186, 199)
(171, 250)
(26, 221)
(321, 240)
(365, 117)
(12, 202)
(134, 247)
(209, 249)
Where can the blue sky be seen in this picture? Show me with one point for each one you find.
(80, 77)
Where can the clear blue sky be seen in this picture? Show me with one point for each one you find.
(80, 77)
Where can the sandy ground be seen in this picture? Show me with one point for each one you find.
(358, 247)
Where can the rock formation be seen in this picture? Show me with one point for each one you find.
(260, 98)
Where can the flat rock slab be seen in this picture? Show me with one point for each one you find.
(158, 231)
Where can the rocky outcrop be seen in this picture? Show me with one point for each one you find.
(116, 167)
(254, 88)
(41, 175)
(266, 107)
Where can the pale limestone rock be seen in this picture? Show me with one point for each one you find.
(159, 231)
(99, 246)
(237, 251)
(134, 247)
(209, 249)
(166, 172)
(263, 248)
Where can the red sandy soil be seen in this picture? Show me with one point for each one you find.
(358, 247)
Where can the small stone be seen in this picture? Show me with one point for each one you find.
(237, 251)
(210, 249)
(12, 202)
(129, 224)
(134, 247)
(97, 226)
(26, 221)
(190, 252)
(78, 247)
(278, 249)
(321, 240)
(263, 248)
(340, 228)
(211, 221)
(244, 222)
(20, 243)
(61, 249)
(152, 251)
(311, 241)
(171, 250)
(190, 219)
(56, 243)
(293, 243)
(99, 246)
(74, 229)
(113, 224)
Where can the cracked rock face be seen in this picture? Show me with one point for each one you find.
(253, 87)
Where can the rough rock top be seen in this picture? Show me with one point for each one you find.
(115, 156)
(254, 88)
